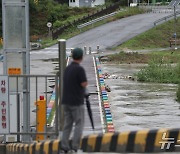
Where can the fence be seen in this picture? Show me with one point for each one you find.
(102, 12)
(166, 18)
(40, 86)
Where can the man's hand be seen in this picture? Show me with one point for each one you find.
(84, 84)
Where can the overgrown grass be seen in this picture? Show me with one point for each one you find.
(161, 72)
(134, 57)
(157, 37)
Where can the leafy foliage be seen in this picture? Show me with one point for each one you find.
(49, 11)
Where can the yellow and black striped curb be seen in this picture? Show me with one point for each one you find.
(135, 141)
(47, 147)
(144, 141)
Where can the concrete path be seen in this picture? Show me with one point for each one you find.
(88, 64)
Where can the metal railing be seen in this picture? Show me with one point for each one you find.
(157, 8)
(41, 85)
(166, 18)
(97, 20)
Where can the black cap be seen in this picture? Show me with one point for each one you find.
(77, 53)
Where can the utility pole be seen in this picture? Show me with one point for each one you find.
(16, 52)
(62, 66)
(175, 35)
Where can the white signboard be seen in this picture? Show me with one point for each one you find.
(4, 105)
(49, 24)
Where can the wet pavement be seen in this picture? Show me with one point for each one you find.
(137, 105)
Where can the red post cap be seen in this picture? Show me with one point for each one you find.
(41, 97)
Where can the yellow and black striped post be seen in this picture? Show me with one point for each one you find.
(135, 141)
(143, 141)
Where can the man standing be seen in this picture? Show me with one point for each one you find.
(74, 84)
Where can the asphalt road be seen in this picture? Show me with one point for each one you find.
(114, 33)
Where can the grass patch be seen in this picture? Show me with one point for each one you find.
(134, 57)
(129, 12)
(157, 37)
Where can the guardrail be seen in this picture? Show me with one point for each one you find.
(166, 18)
(97, 20)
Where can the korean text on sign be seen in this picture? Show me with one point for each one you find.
(4, 105)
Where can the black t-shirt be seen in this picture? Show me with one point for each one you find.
(73, 92)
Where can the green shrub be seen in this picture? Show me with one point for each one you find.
(129, 12)
(159, 71)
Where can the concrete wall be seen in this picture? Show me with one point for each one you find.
(85, 3)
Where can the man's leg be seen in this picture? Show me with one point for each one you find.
(68, 124)
(78, 115)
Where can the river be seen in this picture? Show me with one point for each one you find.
(137, 105)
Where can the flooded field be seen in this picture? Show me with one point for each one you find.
(136, 105)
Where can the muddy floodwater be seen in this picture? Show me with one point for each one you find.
(137, 105)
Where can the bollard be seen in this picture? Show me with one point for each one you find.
(41, 117)
(71, 52)
(85, 50)
(62, 66)
(90, 50)
(98, 48)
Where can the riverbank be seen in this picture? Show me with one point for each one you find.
(159, 66)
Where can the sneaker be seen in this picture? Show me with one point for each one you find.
(72, 151)
(62, 151)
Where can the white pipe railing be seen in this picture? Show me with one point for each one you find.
(97, 20)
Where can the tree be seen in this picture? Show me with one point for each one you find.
(62, 1)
